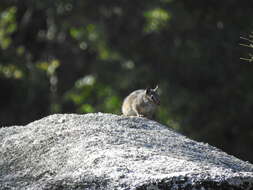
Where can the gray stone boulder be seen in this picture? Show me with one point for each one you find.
(105, 151)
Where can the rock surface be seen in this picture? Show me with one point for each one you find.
(105, 151)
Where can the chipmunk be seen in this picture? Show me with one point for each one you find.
(141, 103)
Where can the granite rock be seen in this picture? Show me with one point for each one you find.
(106, 151)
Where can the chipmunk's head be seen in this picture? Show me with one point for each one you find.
(152, 95)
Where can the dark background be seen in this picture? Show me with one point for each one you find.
(64, 56)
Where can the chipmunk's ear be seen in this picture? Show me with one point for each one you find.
(148, 90)
(155, 89)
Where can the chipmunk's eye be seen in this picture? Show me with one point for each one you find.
(155, 99)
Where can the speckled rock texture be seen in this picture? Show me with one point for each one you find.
(105, 151)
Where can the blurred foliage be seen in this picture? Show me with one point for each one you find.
(103, 96)
(7, 26)
(156, 19)
(67, 56)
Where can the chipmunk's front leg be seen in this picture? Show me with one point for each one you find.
(137, 112)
